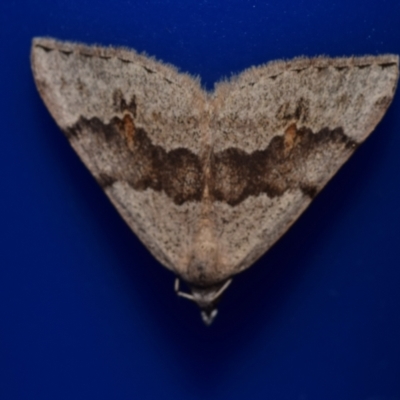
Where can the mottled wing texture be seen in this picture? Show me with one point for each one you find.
(281, 131)
(135, 123)
(209, 181)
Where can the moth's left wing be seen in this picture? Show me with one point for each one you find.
(135, 123)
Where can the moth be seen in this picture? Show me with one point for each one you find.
(209, 181)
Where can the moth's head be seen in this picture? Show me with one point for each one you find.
(207, 301)
(206, 298)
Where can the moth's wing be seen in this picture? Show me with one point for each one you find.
(281, 131)
(135, 123)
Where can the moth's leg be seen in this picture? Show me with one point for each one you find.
(222, 289)
(182, 294)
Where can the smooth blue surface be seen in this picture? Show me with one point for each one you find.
(86, 313)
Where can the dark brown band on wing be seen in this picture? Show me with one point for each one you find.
(284, 165)
(131, 157)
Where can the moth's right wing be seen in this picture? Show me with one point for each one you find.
(281, 131)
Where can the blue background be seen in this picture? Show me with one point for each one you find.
(85, 311)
